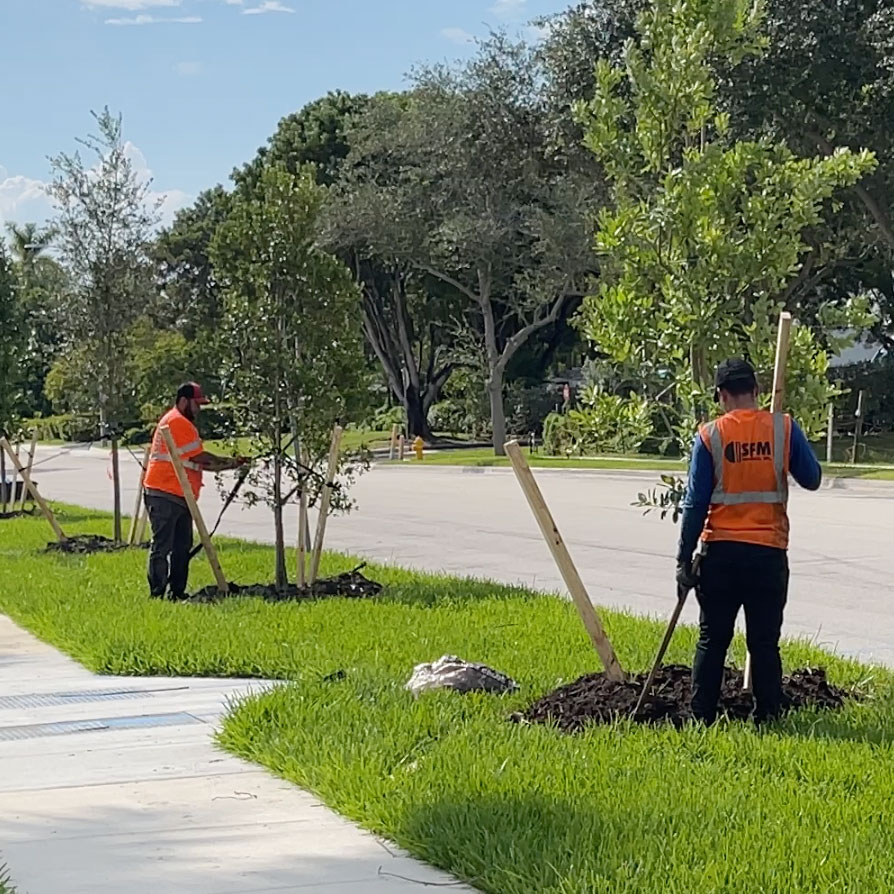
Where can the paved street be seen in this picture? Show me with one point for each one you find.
(476, 522)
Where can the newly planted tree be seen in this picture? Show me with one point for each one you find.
(105, 218)
(705, 234)
(291, 345)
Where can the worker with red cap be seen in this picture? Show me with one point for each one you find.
(166, 505)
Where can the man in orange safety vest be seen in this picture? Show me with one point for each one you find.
(168, 512)
(736, 505)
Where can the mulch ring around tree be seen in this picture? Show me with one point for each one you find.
(84, 544)
(351, 585)
(596, 699)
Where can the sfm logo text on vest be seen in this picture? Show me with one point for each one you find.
(739, 451)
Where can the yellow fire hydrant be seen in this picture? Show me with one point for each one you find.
(418, 446)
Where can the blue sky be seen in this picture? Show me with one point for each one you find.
(203, 83)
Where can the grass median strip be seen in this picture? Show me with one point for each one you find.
(802, 806)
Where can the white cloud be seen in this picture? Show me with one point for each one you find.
(457, 35)
(153, 20)
(508, 9)
(24, 199)
(130, 5)
(234, 2)
(267, 6)
(188, 68)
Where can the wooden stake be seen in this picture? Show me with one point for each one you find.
(26, 477)
(401, 447)
(325, 499)
(31, 451)
(143, 518)
(776, 406)
(556, 544)
(393, 448)
(302, 528)
(15, 481)
(138, 503)
(180, 472)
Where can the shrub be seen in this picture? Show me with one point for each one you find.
(605, 423)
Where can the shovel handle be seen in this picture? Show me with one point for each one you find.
(671, 626)
(682, 593)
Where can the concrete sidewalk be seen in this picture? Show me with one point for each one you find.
(113, 784)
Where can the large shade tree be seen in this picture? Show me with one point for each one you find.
(470, 194)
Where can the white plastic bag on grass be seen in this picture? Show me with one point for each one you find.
(450, 672)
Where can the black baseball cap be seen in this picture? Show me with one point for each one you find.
(192, 391)
(734, 372)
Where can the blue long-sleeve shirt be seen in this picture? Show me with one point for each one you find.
(803, 465)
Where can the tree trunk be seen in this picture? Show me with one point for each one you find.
(116, 489)
(497, 411)
(417, 423)
(282, 577)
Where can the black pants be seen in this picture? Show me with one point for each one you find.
(735, 575)
(171, 544)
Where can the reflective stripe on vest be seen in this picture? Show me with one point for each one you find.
(187, 464)
(780, 495)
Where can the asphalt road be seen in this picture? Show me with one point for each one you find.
(476, 522)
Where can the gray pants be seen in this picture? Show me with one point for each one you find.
(171, 544)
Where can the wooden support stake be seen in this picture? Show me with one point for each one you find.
(138, 503)
(401, 447)
(325, 499)
(302, 527)
(556, 544)
(776, 406)
(44, 506)
(30, 464)
(393, 448)
(180, 472)
(15, 480)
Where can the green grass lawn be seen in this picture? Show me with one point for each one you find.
(803, 806)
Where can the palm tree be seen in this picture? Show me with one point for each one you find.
(28, 242)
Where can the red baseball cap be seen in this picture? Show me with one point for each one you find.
(192, 391)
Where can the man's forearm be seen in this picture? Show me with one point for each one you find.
(691, 526)
(213, 463)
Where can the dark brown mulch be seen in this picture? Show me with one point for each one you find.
(596, 699)
(84, 544)
(351, 585)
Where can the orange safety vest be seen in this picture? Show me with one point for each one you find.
(750, 450)
(160, 474)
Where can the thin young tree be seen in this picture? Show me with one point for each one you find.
(104, 224)
(291, 345)
(11, 350)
